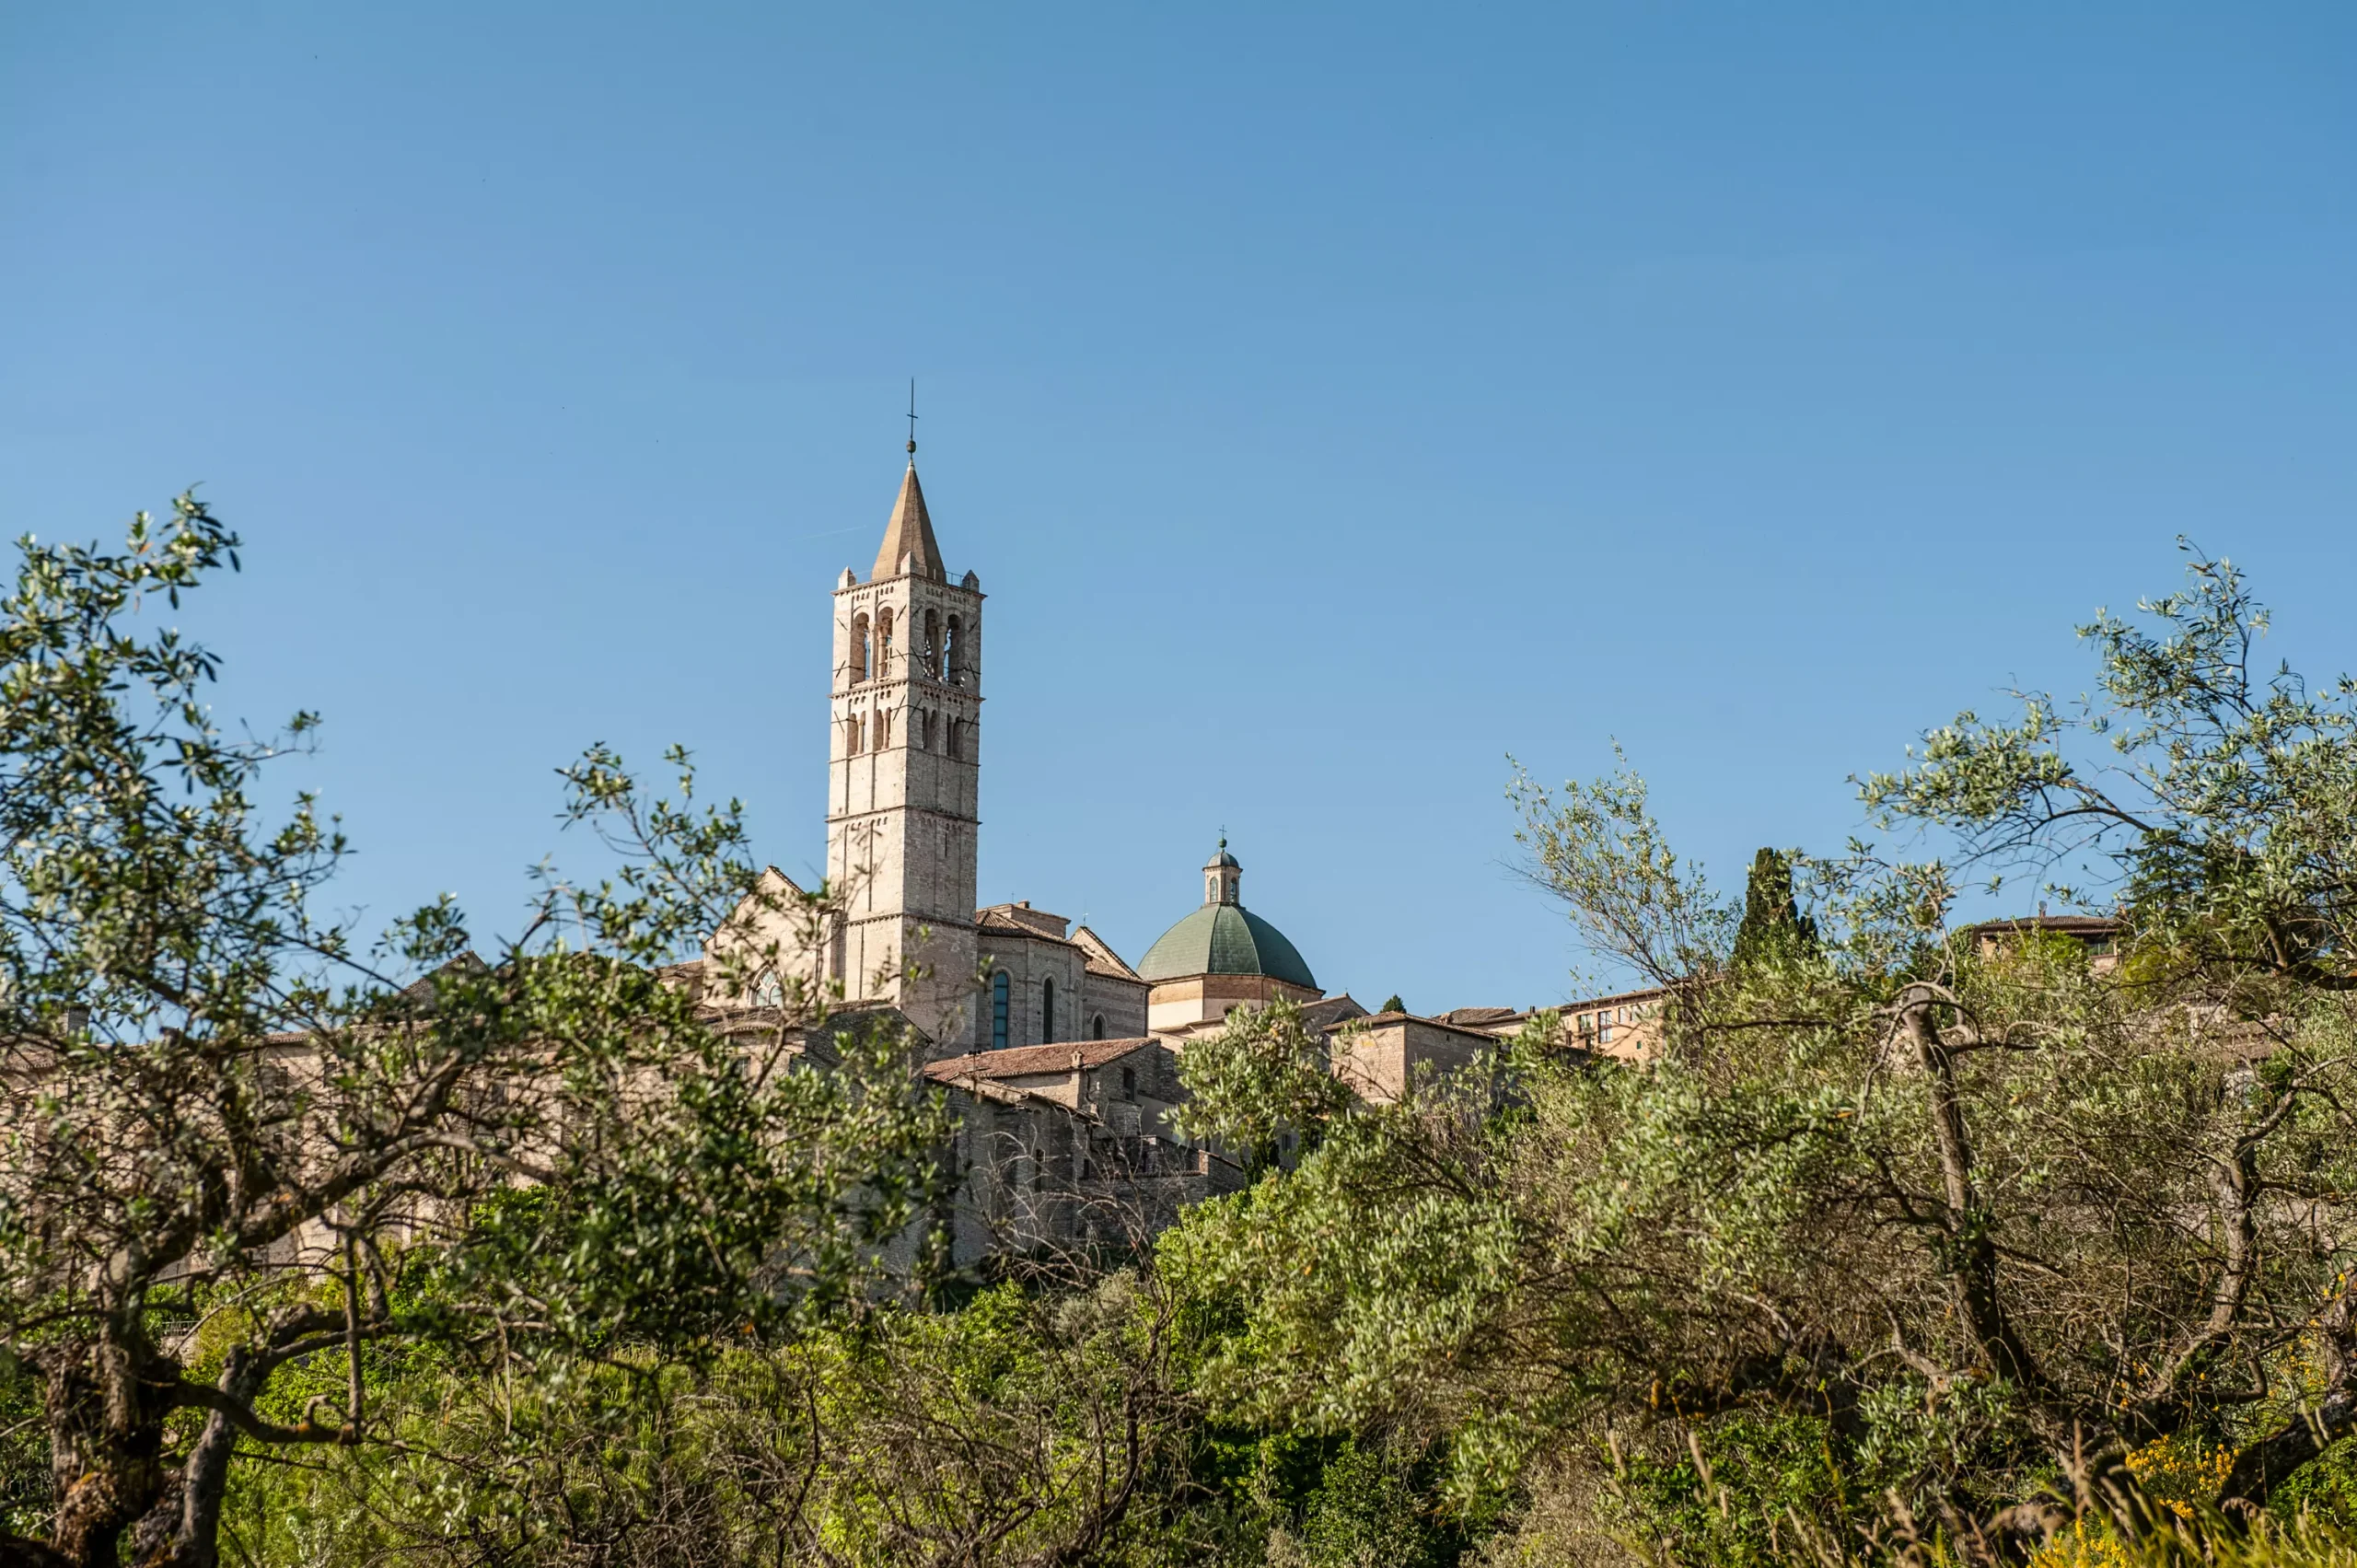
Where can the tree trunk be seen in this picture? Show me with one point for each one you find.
(2268, 1463)
(106, 1435)
(16, 1551)
(189, 1532)
(1971, 1260)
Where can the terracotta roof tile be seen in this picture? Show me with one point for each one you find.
(1101, 958)
(1020, 1061)
(1327, 1012)
(1038, 924)
(2072, 924)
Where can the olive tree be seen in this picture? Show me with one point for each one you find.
(1983, 1218)
(246, 1159)
(2213, 801)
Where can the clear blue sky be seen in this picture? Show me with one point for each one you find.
(1332, 401)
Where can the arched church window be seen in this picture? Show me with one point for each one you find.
(884, 643)
(1096, 1029)
(768, 992)
(933, 644)
(1129, 1081)
(1002, 989)
(953, 654)
(956, 741)
(1047, 1010)
(859, 649)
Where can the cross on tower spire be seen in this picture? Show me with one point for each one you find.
(913, 420)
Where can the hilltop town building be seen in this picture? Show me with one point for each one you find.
(903, 827)
(1060, 1058)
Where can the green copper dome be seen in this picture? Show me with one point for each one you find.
(1224, 939)
(1221, 937)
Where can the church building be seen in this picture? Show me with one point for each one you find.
(904, 749)
(1061, 1059)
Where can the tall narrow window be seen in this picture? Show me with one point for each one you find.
(884, 643)
(953, 654)
(933, 644)
(1096, 1029)
(859, 647)
(956, 741)
(1000, 990)
(884, 730)
(1129, 1082)
(1047, 1010)
(851, 736)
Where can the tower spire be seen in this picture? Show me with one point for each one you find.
(908, 545)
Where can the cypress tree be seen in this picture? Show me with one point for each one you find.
(1773, 922)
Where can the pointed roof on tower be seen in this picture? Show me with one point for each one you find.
(910, 534)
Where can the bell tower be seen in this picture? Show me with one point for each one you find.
(902, 766)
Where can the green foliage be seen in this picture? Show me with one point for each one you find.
(2226, 809)
(1773, 927)
(2326, 1490)
(1365, 1514)
(1392, 1003)
(1023, 1428)
(1311, 1309)
(1262, 1076)
(1631, 900)
(240, 1147)
(23, 1453)
(1729, 1497)
(1754, 1231)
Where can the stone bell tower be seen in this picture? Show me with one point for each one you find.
(902, 766)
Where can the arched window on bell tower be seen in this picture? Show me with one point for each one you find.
(953, 654)
(884, 643)
(931, 650)
(859, 650)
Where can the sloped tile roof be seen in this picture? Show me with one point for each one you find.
(1102, 960)
(1020, 1061)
